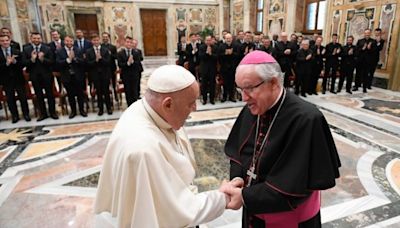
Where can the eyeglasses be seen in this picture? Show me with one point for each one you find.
(250, 89)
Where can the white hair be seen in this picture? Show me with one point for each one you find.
(267, 71)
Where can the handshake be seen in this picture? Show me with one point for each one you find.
(233, 192)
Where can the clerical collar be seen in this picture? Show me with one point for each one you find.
(159, 121)
(273, 106)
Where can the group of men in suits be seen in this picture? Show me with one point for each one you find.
(305, 60)
(79, 62)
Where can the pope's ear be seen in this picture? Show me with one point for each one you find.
(167, 104)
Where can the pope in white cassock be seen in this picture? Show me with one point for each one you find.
(149, 163)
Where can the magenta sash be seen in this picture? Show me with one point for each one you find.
(290, 219)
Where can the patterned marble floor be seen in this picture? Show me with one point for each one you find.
(49, 170)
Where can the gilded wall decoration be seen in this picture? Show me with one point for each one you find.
(119, 14)
(210, 15)
(275, 26)
(120, 32)
(277, 6)
(22, 9)
(357, 26)
(336, 22)
(386, 23)
(196, 15)
(237, 16)
(3, 9)
(181, 28)
(180, 14)
(54, 13)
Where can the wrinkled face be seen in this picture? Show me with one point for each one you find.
(69, 42)
(55, 36)
(305, 45)
(36, 39)
(128, 43)
(349, 40)
(257, 94)
(5, 42)
(96, 41)
(284, 37)
(228, 38)
(318, 41)
(367, 34)
(79, 34)
(183, 105)
(105, 38)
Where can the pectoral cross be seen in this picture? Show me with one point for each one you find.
(251, 174)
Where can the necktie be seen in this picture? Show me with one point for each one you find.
(81, 44)
(128, 52)
(8, 51)
(37, 49)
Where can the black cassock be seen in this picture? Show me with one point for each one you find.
(299, 156)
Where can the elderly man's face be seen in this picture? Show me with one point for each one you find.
(259, 95)
(183, 105)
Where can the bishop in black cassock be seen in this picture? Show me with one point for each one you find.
(281, 148)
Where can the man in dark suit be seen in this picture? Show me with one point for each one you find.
(347, 65)
(192, 53)
(317, 65)
(239, 39)
(81, 42)
(181, 50)
(227, 57)
(333, 51)
(245, 48)
(56, 42)
(12, 79)
(98, 60)
(139, 52)
(379, 47)
(285, 52)
(70, 63)
(208, 54)
(105, 36)
(14, 44)
(129, 63)
(366, 58)
(38, 59)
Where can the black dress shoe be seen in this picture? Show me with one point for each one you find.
(364, 90)
(348, 91)
(109, 112)
(100, 113)
(315, 93)
(27, 118)
(303, 95)
(354, 89)
(223, 100)
(204, 102)
(42, 118)
(338, 91)
(332, 91)
(72, 115)
(83, 113)
(232, 99)
(54, 116)
(369, 87)
(323, 92)
(14, 119)
(212, 102)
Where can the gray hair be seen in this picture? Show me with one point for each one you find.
(267, 71)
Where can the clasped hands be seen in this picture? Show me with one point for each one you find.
(233, 193)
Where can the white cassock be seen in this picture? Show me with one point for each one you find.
(147, 173)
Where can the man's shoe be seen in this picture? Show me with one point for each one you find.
(27, 118)
(83, 113)
(212, 102)
(223, 100)
(54, 116)
(338, 91)
(348, 91)
(109, 112)
(232, 99)
(369, 87)
(100, 113)
(364, 90)
(15, 119)
(42, 118)
(72, 115)
(332, 91)
(204, 102)
(323, 91)
(303, 95)
(354, 89)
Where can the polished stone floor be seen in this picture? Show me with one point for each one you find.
(49, 170)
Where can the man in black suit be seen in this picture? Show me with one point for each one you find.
(56, 42)
(140, 54)
(285, 52)
(379, 47)
(181, 50)
(14, 44)
(129, 63)
(227, 57)
(98, 60)
(12, 79)
(70, 63)
(81, 42)
(105, 36)
(317, 65)
(208, 54)
(245, 48)
(192, 53)
(239, 39)
(366, 58)
(38, 59)
(333, 51)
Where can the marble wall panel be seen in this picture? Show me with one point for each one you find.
(238, 16)
(119, 22)
(387, 18)
(275, 16)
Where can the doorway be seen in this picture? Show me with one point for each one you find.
(154, 32)
(87, 23)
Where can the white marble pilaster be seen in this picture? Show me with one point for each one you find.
(246, 15)
(221, 16)
(290, 16)
(14, 21)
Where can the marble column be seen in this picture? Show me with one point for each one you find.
(221, 16)
(246, 15)
(14, 22)
(290, 16)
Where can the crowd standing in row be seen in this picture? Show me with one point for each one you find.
(76, 63)
(303, 61)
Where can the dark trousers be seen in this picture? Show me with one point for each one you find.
(346, 74)
(192, 69)
(130, 87)
(313, 80)
(208, 85)
(138, 86)
(74, 89)
(301, 83)
(103, 93)
(47, 84)
(12, 102)
(363, 70)
(229, 85)
(330, 74)
(287, 69)
(371, 74)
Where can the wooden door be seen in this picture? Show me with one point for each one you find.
(154, 32)
(87, 23)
